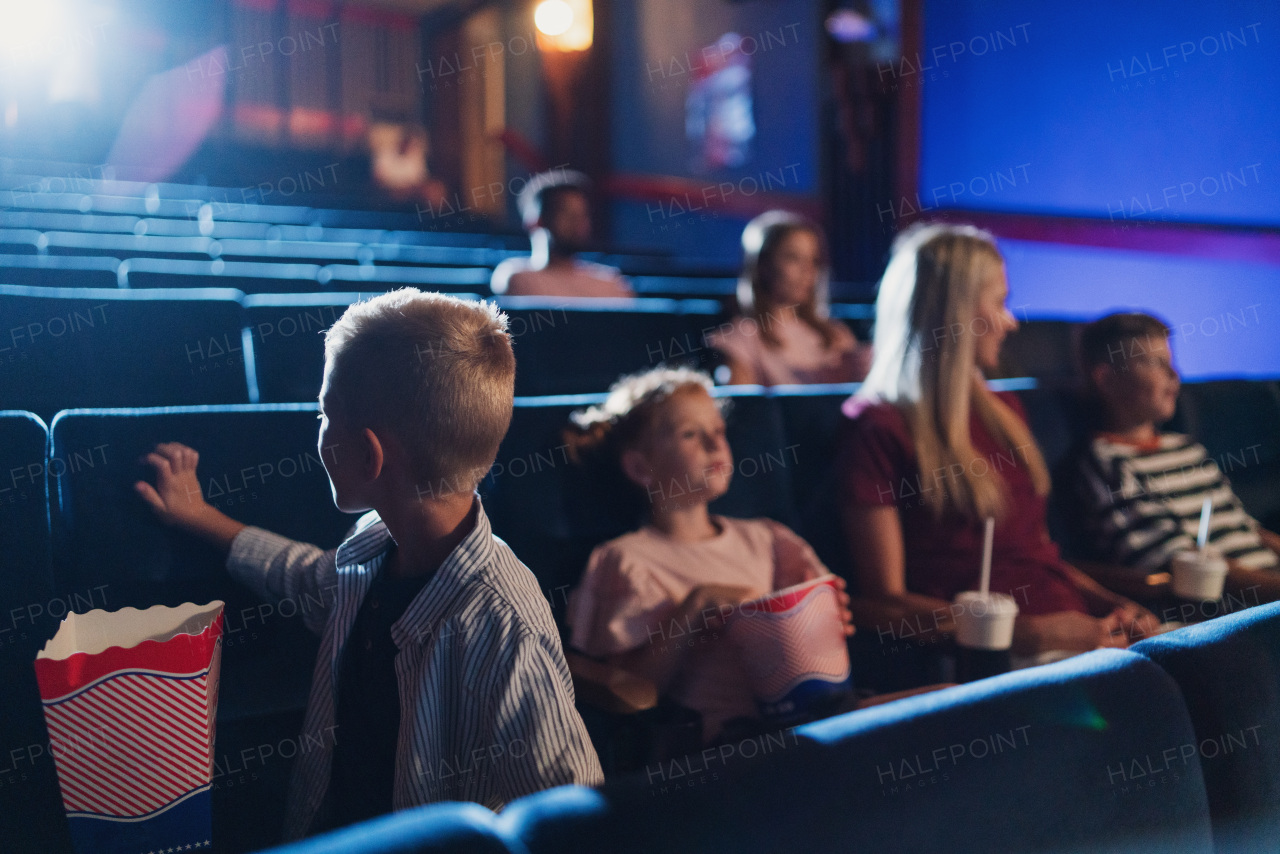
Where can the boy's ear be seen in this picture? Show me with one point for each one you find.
(1102, 376)
(636, 467)
(374, 455)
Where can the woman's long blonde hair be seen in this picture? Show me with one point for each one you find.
(931, 288)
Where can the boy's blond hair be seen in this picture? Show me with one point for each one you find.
(436, 372)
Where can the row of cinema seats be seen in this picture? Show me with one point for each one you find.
(66, 348)
(281, 268)
(74, 535)
(1168, 747)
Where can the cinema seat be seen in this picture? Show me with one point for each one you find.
(1044, 349)
(31, 819)
(260, 465)
(69, 347)
(574, 346)
(251, 277)
(449, 828)
(1229, 672)
(367, 277)
(525, 496)
(1035, 760)
(54, 271)
(288, 340)
(1238, 422)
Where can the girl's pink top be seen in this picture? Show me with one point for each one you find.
(633, 585)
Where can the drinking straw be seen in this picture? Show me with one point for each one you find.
(1203, 537)
(987, 536)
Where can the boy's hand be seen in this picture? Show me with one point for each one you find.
(176, 497)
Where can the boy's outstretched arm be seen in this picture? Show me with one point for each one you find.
(275, 567)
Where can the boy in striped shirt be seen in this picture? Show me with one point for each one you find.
(440, 666)
(1143, 490)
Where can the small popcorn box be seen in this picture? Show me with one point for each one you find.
(130, 699)
(792, 646)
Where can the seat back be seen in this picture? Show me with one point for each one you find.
(97, 347)
(1238, 422)
(449, 828)
(260, 465)
(811, 420)
(1046, 759)
(762, 472)
(1044, 349)
(1229, 672)
(573, 346)
(250, 277)
(53, 271)
(31, 817)
(530, 498)
(287, 331)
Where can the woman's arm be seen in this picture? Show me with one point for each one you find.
(874, 535)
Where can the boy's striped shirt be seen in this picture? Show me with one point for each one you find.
(1143, 503)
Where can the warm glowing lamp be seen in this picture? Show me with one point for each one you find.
(564, 25)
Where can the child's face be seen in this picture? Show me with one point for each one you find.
(1140, 385)
(686, 458)
(796, 265)
(338, 448)
(997, 320)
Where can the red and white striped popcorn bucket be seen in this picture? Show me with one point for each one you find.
(130, 699)
(792, 646)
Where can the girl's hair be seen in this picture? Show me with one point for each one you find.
(930, 288)
(624, 418)
(761, 240)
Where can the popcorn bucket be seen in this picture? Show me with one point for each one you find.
(130, 699)
(792, 646)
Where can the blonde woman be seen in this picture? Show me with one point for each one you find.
(783, 335)
(929, 451)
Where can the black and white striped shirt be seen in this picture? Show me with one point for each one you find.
(487, 703)
(1143, 503)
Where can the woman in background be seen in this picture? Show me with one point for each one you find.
(783, 335)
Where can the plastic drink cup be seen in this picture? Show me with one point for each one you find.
(984, 620)
(1199, 574)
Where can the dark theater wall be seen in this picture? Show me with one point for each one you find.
(654, 68)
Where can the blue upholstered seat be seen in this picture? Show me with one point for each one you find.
(1229, 673)
(260, 465)
(1069, 757)
(450, 828)
(30, 609)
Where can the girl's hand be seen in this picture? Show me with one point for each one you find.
(846, 616)
(713, 603)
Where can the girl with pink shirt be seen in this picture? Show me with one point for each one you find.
(783, 335)
(654, 601)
